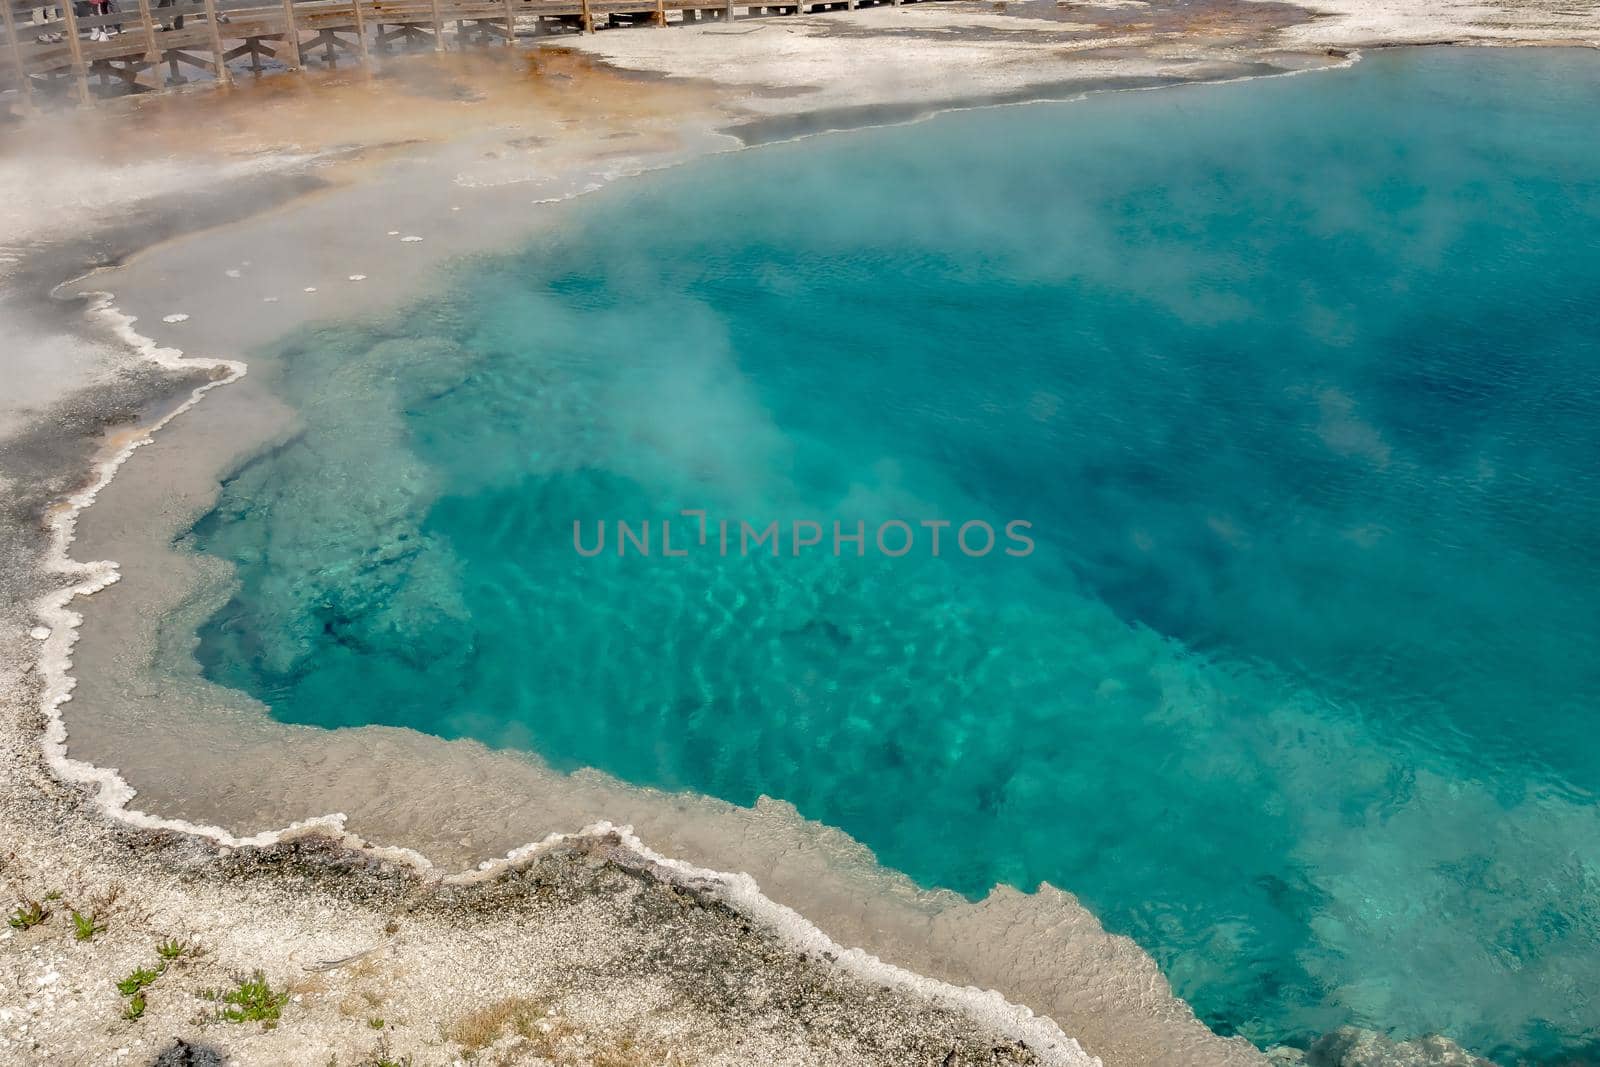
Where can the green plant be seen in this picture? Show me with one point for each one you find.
(84, 927)
(253, 1000)
(381, 1057)
(135, 1007)
(54, 894)
(137, 979)
(171, 949)
(375, 1022)
(28, 914)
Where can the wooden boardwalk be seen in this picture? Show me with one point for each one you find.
(77, 52)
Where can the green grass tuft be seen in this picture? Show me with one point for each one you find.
(171, 949)
(84, 927)
(27, 915)
(253, 1000)
(137, 979)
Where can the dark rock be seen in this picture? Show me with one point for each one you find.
(182, 1053)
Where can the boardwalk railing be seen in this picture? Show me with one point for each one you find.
(103, 47)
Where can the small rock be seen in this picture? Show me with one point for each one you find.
(1353, 1047)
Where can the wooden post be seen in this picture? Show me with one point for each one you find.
(438, 27)
(25, 83)
(661, 13)
(291, 35)
(74, 45)
(588, 18)
(511, 22)
(152, 51)
(361, 32)
(218, 53)
(727, 15)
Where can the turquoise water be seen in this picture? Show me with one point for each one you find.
(1298, 385)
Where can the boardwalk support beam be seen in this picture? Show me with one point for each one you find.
(291, 35)
(79, 71)
(24, 83)
(219, 54)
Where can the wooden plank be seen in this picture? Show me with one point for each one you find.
(174, 57)
(291, 35)
(218, 53)
(75, 46)
(25, 83)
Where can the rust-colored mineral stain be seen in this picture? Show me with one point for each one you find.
(442, 97)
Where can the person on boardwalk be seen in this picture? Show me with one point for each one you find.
(43, 16)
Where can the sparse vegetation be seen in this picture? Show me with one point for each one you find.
(27, 915)
(84, 927)
(382, 1058)
(251, 1000)
(172, 949)
(138, 979)
(375, 1022)
(481, 1028)
(547, 1035)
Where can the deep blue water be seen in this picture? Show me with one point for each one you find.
(1297, 383)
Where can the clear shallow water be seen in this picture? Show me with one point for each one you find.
(1298, 383)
